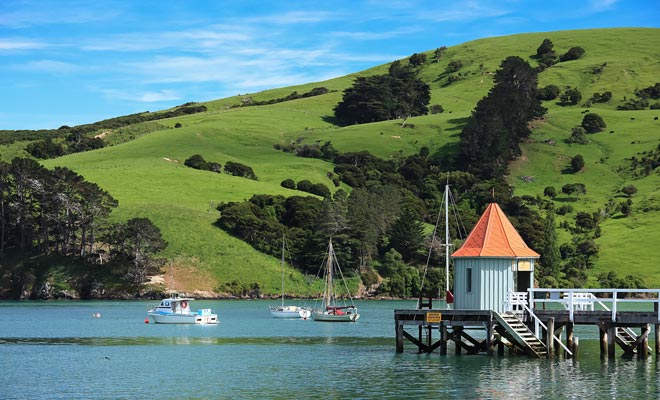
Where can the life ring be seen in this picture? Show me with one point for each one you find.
(184, 304)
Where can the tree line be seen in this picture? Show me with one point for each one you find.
(48, 215)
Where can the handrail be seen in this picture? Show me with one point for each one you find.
(509, 304)
(613, 292)
(538, 321)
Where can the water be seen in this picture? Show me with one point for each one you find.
(57, 350)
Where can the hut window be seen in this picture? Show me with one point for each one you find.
(469, 280)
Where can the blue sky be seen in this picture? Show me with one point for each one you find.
(79, 61)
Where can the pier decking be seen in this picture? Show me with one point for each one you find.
(534, 321)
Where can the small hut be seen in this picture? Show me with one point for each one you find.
(493, 261)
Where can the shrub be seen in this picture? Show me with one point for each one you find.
(550, 191)
(571, 96)
(629, 190)
(195, 161)
(238, 169)
(593, 123)
(437, 109)
(288, 184)
(577, 162)
(417, 59)
(573, 53)
(578, 135)
(549, 92)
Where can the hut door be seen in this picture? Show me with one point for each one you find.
(522, 281)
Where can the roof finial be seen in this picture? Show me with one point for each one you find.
(492, 191)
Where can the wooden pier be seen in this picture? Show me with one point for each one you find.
(535, 327)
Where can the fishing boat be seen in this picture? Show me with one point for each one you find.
(331, 310)
(176, 310)
(287, 311)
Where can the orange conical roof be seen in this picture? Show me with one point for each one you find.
(494, 236)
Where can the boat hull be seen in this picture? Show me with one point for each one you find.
(192, 318)
(290, 312)
(329, 317)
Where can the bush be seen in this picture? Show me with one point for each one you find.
(578, 135)
(288, 184)
(549, 92)
(593, 123)
(577, 162)
(629, 190)
(550, 191)
(437, 109)
(573, 53)
(238, 169)
(571, 96)
(196, 161)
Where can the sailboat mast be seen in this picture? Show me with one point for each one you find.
(328, 289)
(447, 237)
(282, 270)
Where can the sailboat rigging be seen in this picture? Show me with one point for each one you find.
(283, 311)
(331, 310)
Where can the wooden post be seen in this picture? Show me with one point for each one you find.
(500, 347)
(420, 338)
(457, 340)
(643, 345)
(576, 344)
(611, 341)
(558, 333)
(549, 336)
(569, 336)
(443, 339)
(489, 337)
(657, 340)
(603, 340)
(399, 337)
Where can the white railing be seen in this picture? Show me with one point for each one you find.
(585, 300)
(517, 301)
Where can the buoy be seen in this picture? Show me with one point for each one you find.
(146, 320)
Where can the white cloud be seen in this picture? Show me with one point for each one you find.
(50, 67)
(602, 5)
(162, 95)
(20, 44)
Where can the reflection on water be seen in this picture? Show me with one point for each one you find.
(57, 351)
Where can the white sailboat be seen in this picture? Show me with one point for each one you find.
(331, 310)
(284, 311)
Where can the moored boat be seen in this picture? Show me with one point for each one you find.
(176, 310)
(288, 311)
(330, 310)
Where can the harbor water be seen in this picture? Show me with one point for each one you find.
(105, 350)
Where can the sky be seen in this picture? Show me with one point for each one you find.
(69, 62)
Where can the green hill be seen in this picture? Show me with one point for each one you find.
(149, 179)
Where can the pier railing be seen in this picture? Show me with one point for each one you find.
(587, 299)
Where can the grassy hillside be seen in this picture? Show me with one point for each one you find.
(148, 178)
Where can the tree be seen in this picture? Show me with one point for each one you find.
(550, 191)
(550, 257)
(288, 184)
(577, 163)
(546, 54)
(134, 245)
(417, 59)
(593, 123)
(500, 121)
(407, 234)
(437, 53)
(629, 190)
(399, 93)
(238, 169)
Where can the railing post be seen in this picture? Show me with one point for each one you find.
(530, 299)
(614, 295)
(570, 306)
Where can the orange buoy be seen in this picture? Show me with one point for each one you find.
(146, 320)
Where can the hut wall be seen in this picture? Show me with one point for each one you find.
(492, 278)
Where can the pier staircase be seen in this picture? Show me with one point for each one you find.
(511, 327)
(627, 339)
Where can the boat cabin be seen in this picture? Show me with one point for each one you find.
(174, 306)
